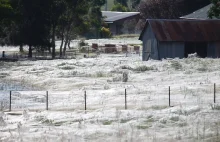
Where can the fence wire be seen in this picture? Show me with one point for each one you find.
(151, 97)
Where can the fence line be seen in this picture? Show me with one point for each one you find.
(125, 99)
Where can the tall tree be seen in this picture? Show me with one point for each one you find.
(135, 3)
(119, 7)
(214, 11)
(5, 20)
(95, 16)
(166, 9)
(74, 15)
(56, 10)
(122, 2)
(35, 28)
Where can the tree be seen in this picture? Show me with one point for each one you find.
(5, 20)
(119, 7)
(56, 11)
(161, 9)
(214, 11)
(135, 3)
(35, 25)
(122, 2)
(95, 16)
(167, 9)
(74, 14)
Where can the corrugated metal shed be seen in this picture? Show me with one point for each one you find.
(199, 14)
(184, 30)
(111, 16)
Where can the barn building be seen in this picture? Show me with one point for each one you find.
(178, 38)
(116, 21)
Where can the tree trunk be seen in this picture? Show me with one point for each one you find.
(49, 49)
(53, 42)
(69, 44)
(21, 48)
(66, 41)
(64, 48)
(30, 52)
(61, 46)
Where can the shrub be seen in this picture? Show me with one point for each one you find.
(125, 77)
(143, 68)
(119, 7)
(82, 43)
(105, 32)
(176, 65)
(67, 67)
(126, 67)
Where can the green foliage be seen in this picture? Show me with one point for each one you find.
(119, 7)
(134, 3)
(143, 68)
(169, 9)
(6, 13)
(105, 32)
(122, 2)
(5, 9)
(82, 43)
(214, 11)
(36, 22)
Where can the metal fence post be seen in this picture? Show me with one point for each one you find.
(46, 100)
(169, 96)
(125, 99)
(214, 93)
(3, 54)
(10, 101)
(85, 99)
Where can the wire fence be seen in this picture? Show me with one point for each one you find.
(86, 51)
(154, 97)
(14, 56)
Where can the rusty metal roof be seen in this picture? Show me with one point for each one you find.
(184, 30)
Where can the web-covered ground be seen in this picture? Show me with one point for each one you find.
(192, 117)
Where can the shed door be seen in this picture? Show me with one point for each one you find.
(199, 47)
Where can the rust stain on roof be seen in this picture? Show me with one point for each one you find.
(185, 30)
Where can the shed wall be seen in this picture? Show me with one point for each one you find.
(171, 50)
(112, 27)
(213, 50)
(149, 45)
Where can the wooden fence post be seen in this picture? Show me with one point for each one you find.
(88, 52)
(125, 99)
(169, 96)
(85, 99)
(3, 54)
(214, 93)
(10, 101)
(46, 100)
